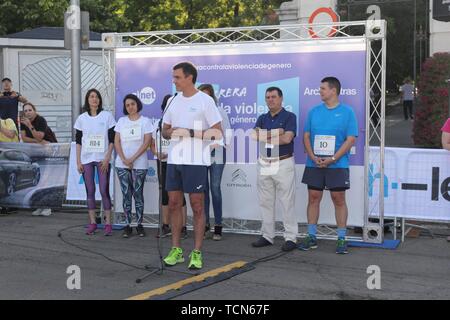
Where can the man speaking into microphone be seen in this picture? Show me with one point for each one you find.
(192, 123)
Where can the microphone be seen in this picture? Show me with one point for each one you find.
(164, 112)
(168, 106)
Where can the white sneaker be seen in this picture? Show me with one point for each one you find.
(46, 212)
(36, 212)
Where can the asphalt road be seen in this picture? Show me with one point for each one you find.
(34, 261)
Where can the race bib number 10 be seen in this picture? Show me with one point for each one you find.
(324, 145)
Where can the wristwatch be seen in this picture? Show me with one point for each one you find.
(191, 132)
(333, 158)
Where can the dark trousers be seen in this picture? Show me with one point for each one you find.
(407, 109)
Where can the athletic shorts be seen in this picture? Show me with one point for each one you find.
(186, 178)
(337, 179)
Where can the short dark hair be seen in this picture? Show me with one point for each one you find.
(333, 83)
(132, 97)
(86, 101)
(188, 70)
(270, 89)
(164, 102)
(208, 87)
(6, 79)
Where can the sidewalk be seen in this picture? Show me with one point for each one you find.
(398, 130)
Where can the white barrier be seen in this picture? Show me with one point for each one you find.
(417, 187)
(239, 195)
(417, 183)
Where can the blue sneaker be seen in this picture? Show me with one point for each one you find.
(309, 242)
(341, 246)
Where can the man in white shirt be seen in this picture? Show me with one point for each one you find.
(192, 122)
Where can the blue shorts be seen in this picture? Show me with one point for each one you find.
(186, 178)
(336, 179)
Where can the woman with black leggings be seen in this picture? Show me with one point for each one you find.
(162, 166)
(95, 142)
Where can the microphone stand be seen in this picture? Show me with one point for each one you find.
(159, 270)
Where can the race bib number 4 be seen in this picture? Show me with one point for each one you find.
(324, 145)
(95, 143)
(132, 133)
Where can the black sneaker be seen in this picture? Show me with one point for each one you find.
(140, 230)
(184, 233)
(217, 233)
(165, 231)
(127, 231)
(207, 234)
(261, 242)
(288, 246)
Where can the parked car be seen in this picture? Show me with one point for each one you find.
(17, 171)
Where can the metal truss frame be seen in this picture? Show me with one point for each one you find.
(374, 34)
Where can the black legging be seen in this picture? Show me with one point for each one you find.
(162, 182)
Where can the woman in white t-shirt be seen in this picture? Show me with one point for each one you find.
(95, 142)
(161, 164)
(133, 135)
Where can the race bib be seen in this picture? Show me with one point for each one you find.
(324, 145)
(164, 143)
(131, 133)
(95, 143)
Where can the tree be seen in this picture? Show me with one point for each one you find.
(20, 15)
(400, 36)
(135, 15)
(433, 109)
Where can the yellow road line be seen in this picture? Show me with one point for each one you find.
(178, 285)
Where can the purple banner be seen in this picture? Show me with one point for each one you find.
(240, 82)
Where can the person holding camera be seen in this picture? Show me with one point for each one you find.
(34, 128)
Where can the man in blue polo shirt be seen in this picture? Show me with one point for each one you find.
(275, 132)
(330, 132)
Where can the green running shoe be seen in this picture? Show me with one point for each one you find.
(196, 261)
(175, 256)
(309, 242)
(341, 246)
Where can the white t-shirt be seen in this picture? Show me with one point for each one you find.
(198, 112)
(94, 144)
(131, 139)
(165, 144)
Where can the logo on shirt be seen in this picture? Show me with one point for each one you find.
(147, 95)
(193, 109)
(337, 115)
